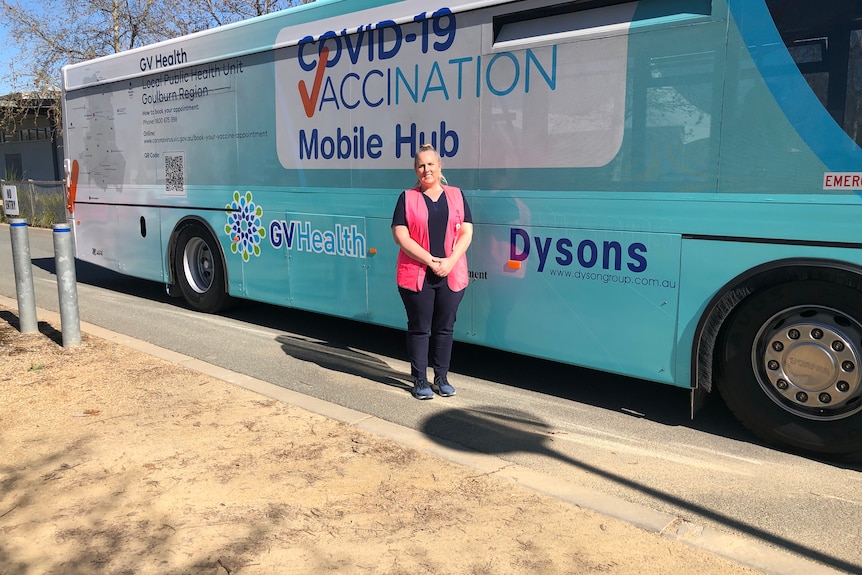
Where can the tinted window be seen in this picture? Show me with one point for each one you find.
(825, 40)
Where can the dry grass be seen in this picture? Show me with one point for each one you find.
(116, 462)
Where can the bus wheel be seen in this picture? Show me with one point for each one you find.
(199, 269)
(790, 367)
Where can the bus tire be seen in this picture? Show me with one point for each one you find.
(790, 366)
(199, 269)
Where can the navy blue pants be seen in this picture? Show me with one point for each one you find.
(430, 325)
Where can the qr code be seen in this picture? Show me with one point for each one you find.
(175, 174)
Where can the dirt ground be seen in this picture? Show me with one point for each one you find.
(116, 462)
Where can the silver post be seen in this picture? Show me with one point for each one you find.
(32, 202)
(67, 288)
(23, 275)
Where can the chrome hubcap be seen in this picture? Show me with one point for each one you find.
(807, 360)
(198, 265)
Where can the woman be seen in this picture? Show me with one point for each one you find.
(433, 227)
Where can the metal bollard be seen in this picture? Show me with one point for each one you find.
(67, 288)
(23, 275)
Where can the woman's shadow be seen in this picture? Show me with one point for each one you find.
(339, 357)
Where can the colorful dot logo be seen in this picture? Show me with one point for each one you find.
(243, 225)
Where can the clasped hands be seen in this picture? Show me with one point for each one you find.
(441, 266)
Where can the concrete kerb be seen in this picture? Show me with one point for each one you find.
(751, 553)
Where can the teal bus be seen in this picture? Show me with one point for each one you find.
(663, 189)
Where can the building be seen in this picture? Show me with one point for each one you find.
(30, 137)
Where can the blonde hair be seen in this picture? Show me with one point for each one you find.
(428, 148)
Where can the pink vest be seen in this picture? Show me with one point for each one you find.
(410, 274)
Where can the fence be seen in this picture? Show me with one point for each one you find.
(42, 204)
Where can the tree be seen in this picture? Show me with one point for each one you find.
(53, 33)
(220, 12)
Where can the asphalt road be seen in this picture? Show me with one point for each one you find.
(623, 437)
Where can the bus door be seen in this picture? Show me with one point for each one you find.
(326, 258)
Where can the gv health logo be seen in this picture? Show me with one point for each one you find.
(243, 225)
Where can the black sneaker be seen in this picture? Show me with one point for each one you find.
(421, 389)
(442, 386)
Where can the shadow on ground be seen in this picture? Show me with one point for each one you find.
(505, 431)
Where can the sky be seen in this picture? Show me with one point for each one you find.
(9, 50)
(6, 52)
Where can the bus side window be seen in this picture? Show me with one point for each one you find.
(827, 48)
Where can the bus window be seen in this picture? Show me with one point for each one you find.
(591, 18)
(675, 106)
(826, 44)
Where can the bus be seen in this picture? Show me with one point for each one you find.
(662, 189)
